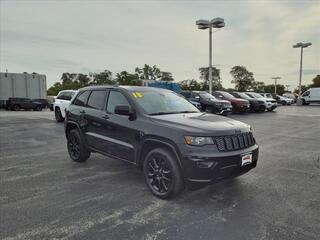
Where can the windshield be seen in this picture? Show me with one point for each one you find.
(227, 95)
(160, 103)
(257, 95)
(243, 95)
(207, 96)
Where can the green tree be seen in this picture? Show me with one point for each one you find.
(166, 76)
(242, 78)
(192, 85)
(125, 78)
(258, 86)
(316, 81)
(270, 89)
(103, 78)
(204, 75)
(148, 73)
(55, 89)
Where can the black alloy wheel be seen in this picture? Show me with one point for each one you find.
(162, 174)
(78, 151)
(159, 174)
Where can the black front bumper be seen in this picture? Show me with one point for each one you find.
(212, 167)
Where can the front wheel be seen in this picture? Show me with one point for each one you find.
(77, 149)
(38, 108)
(58, 115)
(162, 174)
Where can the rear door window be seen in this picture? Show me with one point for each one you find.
(97, 99)
(82, 98)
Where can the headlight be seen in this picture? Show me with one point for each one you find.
(198, 141)
(218, 104)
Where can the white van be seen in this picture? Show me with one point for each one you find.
(312, 95)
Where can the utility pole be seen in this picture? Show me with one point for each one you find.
(301, 46)
(275, 84)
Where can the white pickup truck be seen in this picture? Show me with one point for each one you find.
(61, 103)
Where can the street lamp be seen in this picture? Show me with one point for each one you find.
(275, 84)
(302, 46)
(204, 24)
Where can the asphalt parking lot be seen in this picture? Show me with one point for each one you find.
(46, 196)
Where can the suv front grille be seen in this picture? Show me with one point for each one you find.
(235, 142)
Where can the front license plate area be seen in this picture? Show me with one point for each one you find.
(246, 159)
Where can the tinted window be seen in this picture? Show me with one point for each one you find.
(307, 93)
(186, 94)
(116, 98)
(81, 99)
(97, 99)
(65, 95)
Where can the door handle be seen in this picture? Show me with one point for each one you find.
(105, 116)
(82, 111)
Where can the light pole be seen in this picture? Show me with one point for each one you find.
(302, 46)
(204, 24)
(275, 84)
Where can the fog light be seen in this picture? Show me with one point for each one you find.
(202, 164)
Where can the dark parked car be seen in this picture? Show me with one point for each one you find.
(238, 105)
(208, 102)
(255, 104)
(169, 139)
(23, 103)
(44, 102)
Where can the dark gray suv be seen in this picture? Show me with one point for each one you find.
(162, 133)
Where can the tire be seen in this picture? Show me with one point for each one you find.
(38, 108)
(162, 174)
(16, 107)
(209, 109)
(77, 149)
(58, 115)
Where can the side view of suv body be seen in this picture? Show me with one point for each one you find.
(255, 104)
(169, 139)
(23, 103)
(61, 102)
(270, 103)
(238, 105)
(208, 102)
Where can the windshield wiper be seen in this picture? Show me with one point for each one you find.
(164, 113)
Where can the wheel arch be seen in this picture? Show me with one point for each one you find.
(154, 142)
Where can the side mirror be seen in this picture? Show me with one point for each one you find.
(122, 110)
(125, 111)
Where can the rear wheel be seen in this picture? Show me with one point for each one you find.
(78, 152)
(16, 107)
(58, 115)
(162, 174)
(38, 108)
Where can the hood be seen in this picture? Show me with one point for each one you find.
(205, 124)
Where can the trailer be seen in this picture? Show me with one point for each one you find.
(22, 85)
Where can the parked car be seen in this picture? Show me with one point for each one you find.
(290, 95)
(44, 102)
(312, 95)
(238, 105)
(61, 103)
(208, 102)
(23, 103)
(170, 140)
(270, 103)
(256, 105)
(283, 100)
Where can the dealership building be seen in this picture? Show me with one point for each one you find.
(24, 85)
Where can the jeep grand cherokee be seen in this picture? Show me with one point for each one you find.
(162, 133)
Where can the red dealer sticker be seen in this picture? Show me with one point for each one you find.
(246, 159)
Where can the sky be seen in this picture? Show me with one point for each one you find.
(52, 37)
